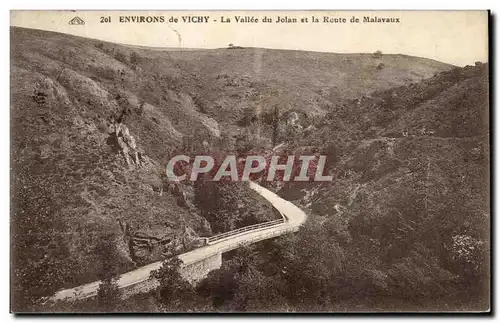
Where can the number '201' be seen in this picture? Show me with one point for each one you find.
(105, 19)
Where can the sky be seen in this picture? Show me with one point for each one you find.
(455, 37)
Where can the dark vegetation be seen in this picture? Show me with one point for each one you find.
(405, 226)
(409, 204)
(404, 223)
(377, 54)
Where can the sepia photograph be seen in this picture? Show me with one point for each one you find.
(250, 161)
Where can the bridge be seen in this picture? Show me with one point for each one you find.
(197, 263)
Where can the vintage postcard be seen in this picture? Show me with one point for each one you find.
(249, 161)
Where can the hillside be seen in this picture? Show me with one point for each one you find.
(182, 87)
(93, 124)
(409, 204)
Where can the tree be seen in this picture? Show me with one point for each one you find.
(258, 292)
(107, 256)
(108, 295)
(220, 287)
(173, 292)
(377, 54)
(310, 261)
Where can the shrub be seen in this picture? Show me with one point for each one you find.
(120, 56)
(231, 46)
(249, 117)
(104, 72)
(135, 58)
(173, 292)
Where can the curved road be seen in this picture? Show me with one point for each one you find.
(294, 217)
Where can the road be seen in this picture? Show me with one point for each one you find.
(294, 217)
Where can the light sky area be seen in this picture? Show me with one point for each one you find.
(456, 37)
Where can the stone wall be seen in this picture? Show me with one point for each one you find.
(192, 273)
(199, 270)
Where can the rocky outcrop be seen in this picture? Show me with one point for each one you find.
(184, 195)
(155, 240)
(124, 143)
(159, 241)
(186, 198)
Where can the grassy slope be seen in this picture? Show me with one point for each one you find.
(69, 186)
(305, 81)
